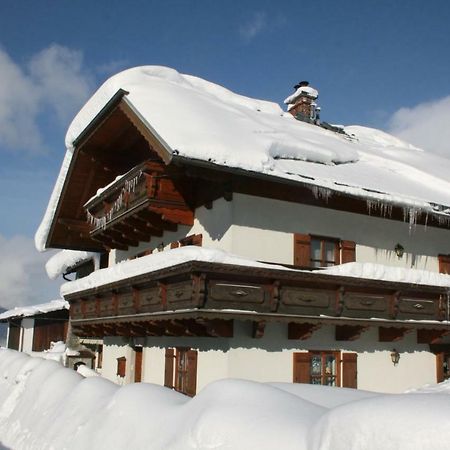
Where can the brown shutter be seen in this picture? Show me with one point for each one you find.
(348, 252)
(444, 264)
(14, 335)
(138, 365)
(302, 367)
(197, 240)
(174, 244)
(349, 370)
(302, 250)
(168, 371)
(440, 367)
(191, 382)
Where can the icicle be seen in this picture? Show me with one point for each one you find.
(320, 192)
(128, 187)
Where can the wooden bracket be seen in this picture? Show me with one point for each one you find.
(430, 336)
(391, 334)
(302, 331)
(349, 332)
(259, 327)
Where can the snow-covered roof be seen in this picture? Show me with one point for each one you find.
(173, 257)
(198, 120)
(65, 259)
(32, 310)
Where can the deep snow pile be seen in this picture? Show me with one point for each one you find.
(44, 405)
(65, 259)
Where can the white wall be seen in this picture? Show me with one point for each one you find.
(113, 348)
(27, 335)
(262, 229)
(270, 358)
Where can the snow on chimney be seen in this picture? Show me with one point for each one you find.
(302, 105)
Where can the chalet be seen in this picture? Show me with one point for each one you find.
(33, 328)
(240, 240)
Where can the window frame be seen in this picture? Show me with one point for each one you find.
(323, 240)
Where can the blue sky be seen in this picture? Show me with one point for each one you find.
(377, 63)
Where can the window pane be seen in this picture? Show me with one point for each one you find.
(316, 365)
(330, 365)
(329, 251)
(315, 250)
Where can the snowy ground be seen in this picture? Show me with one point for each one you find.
(46, 406)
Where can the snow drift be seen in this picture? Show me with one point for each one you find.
(46, 406)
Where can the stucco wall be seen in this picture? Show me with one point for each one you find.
(271, 357)
(262, 229)
(27, 335)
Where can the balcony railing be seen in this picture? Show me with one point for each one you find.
(142, 203)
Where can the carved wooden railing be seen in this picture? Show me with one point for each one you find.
(142, 203)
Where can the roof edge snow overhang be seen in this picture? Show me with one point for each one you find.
(438, 220)
(314, 276)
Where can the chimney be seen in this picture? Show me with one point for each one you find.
(301, 104)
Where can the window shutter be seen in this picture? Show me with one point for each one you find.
(348, 251)
(349, 370)
(121, 366)
(440, 367)
(191, 382)
(444, 264)
(302, 250)
(168, 371)
(302, 367)
(138, 365)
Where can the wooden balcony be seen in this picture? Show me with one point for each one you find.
(203, 299)
(142, 203)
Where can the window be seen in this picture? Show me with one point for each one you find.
(324, 252)
(316, 251)
(329, 368)
(181, 370)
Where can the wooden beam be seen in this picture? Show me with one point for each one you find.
(108, 243)
(174, 215)
(155, 220)
(130, 232)
(302, 331)
(430, 336)
(76, 225)
(391, 334)
(349, 332)
(259, 327)
(218, 327)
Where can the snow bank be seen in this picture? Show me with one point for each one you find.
(46, 406)
(26, 311)
(63, 260)
(381, 272)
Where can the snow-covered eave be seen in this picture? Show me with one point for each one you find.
(274, 317)
(34, 310)
(324, 188)
(188, 259)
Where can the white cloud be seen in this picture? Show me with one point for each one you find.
(254, 26)
(54, 81)
(23, 280)
(426, 125)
